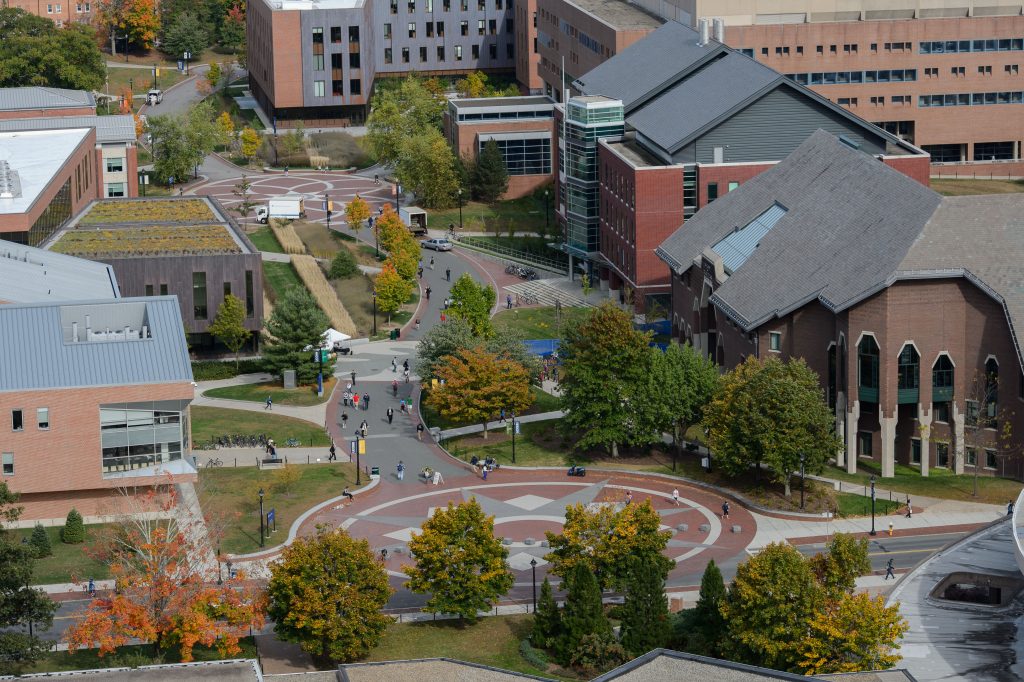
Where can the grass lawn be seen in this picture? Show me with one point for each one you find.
(940, 483)
(128, 656)
(264, 240)
(303, 395)
(527, 213)
(68, 562)
(230, 497)
(543, 402)
(209, 423)
(492, 641)
(849, 504)
(356, 294)
(279, 277)
(537, 323)
(961, 187)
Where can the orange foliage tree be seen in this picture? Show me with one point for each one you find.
(166, 588)
(135, 18)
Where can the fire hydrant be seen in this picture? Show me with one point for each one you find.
(890, 529)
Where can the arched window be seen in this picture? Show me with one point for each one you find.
(991, 390)
(867, 369)
(942, 379)
(832, 376)
(908, 375)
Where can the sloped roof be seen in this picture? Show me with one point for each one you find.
(850, 222)
(31, 275)
(36, 350)
(35, 97)
(118, 128)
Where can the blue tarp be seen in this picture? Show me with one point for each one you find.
(542, 347)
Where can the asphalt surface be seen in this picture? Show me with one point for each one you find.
(906, 551)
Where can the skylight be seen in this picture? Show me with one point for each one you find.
(740, 245)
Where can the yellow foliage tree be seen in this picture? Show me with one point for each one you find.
(391, 290)
(356, 212)
(390, 229)
(477, 385)
(250, 142)
(856, 633)
(226, 127)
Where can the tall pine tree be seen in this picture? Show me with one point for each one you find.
(296, 325)
(709, 625)
(490, 176)
(547, 621)
(583, 613)
(645, 621)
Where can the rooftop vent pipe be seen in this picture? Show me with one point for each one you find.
(719, 30)
(702, 26)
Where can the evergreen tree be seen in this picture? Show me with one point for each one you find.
(645, 620)
(40, 542)
(297, 324)
(490, 176)
(547, 621)
(583, 613)
(708, 624)
(74, 529)
(343, 265)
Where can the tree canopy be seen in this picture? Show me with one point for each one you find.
(677, 384)
(228, 325)
(33, 51)
(473, 302)
(181, 142)
(390, 289)
(856, 633)
(135, 18)
(294, 329)
(426, 165)
(401, 113)
(645, 621)
(186, 33)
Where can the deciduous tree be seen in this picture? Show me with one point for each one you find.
(356, 212)
(135, 18)
(856, 633)
(603, 539)
(603, 362)
(490, 175)
(228, 325)
(187, 33)
(476, 385)
(243, 190)
(645, 621)
(232, 29)
(837, 568)
(459, 562)
(326, 594)
(391, 290)
(296, 326)
(391, 231)
(774, 413)
(473, 303)
(439, 342)
(33, 51)
(251, 141)
(401, 114)
(426, 165)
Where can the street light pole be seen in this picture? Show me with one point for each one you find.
(261, 519)
(220, 576)
(514, 440)
(872, 505)
(547, 210)
(533, 565)
(801, 480)
(460, 209)
(359, 472)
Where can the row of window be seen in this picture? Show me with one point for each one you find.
(844, 77)
(436, 28)
(457, 51)
(866, 449)
(954, 46)
(525, 156)
(877, 100)
(336, 33)
(504, 115)
(961, 71)
(200, 307)
(42, 419)
(971, 99)
(80, 8)
(446, 5)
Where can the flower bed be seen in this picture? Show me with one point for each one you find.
(147, 241)
(150, 210)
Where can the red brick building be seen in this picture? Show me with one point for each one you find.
(698, 120)
(906, 303)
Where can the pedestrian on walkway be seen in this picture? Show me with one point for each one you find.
(629, 497)
(401, 406)
(92, 588)
(508, 301)
(394, 364)
(725, 510)
(405, 364)
(365, 429)
(391, 414)
(419, 273)
(334, 453)
(443, 318)
(419, 431)
(428, 293)
(344, 398)
(406, 373)
(353, 374)
(431, 262)
(889, 571)
(270, 404)
(394, 387)
(346, 493)
(344, 420)
(417, 324)
(501, 416)
(366, 401)
(383, 554)
(910, 510)
(401, 470)
(483, 471)
(448, 274)
(355, 400)
(675, 496)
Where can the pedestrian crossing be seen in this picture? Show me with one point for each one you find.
(547, 291)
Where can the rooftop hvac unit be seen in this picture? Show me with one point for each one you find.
(10, 183)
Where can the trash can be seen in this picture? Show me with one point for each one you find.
(391, 334)
(398, 333)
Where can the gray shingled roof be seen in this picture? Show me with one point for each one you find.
(671, 119)
(118, 128)
(12, 99)
(647, 65)
(36, 352)
(31, 275)
(850, 222)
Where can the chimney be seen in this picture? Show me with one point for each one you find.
(74, 332)
(719, 30)
(88, 329)
(145, 331)
(702, 26)
(127, 331)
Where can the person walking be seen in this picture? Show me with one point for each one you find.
(448, 274)
(383, 554)
(675, 496)
(508, 301)
(92, 588)
(629, 497)
(394, 387)
(910, 510)
(334, 453)
(394, 365)
(344, 420)
(406, 374)
(419, 273)
(400, 470)
(1009, 508)
(428, 293)
(269, 405)
(890, 570)
(366, 401)
(353, 375)
(405, 364)
(419, 431)
(431, 262)
(725, 510)
(365, 429)
(391, 414)
(355, 400)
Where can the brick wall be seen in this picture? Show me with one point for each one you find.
(916, 167)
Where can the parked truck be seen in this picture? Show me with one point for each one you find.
(415, 218)
(290, 208)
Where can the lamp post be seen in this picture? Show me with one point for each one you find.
(801, 480)
(547, 209)
(375, 313)
(261, 519)
(125, 37)
(872, 505)
(533, 566)
(220, 577)
(229, 569)
(514, 439)
(460, 209)
(359, 471)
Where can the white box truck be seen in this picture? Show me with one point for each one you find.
(415, 218)
(290, 208)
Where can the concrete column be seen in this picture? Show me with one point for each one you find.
(888, 428)
(851, 437)
(841, 428)
(959, 453)
(924, 418)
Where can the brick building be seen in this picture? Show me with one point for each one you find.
(907, 304)
(94, 396)
(60, 13)
(666, 127)
(522, 127)
(317, 59)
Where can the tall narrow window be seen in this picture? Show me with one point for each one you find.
(867, 368)
(17, 420)
(942, 379)
(199, 309)
(908, 375)
(833, 376)
(43, 418)
(991, 392)
(227, 289)
(250, 307)
(163, 289)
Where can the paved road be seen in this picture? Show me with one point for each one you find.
(905, 551)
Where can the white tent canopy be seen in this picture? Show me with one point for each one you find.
(334, 337)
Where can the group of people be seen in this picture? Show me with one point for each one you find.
(352, 398)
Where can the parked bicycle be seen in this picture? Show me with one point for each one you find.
(292, 442)
(213, 463)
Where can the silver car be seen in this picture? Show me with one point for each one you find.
(436, 244)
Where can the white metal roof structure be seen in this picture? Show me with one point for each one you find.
(31, 275)
(35, 156)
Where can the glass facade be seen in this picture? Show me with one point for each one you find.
(138, 435)
(530, 156)
(56, 213)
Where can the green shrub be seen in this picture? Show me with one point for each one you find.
(211, 370)
(538, 659)
(598, 652)
(40, 542)
(343, 266)
(73, 532)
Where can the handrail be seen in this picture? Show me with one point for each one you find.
(516, 254)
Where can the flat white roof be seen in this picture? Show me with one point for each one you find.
(36, 156)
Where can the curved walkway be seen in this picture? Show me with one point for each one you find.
(310, 413)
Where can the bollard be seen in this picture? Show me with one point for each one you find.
(890, 529)
(236, 462)
(307, 459)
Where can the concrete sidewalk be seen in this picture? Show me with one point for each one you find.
(314, 414)
(478, 428)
